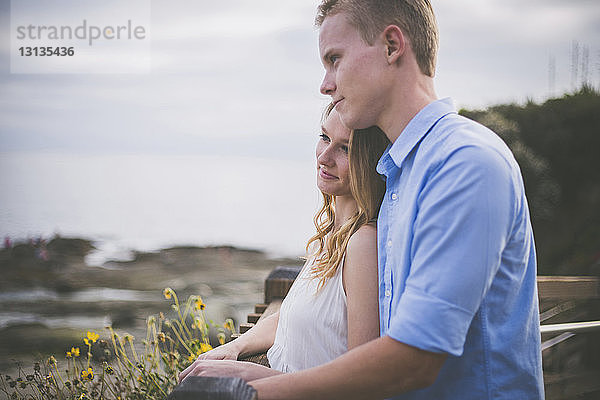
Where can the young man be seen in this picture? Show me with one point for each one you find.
(457, 273)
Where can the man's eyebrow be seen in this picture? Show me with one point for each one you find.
(324, 130)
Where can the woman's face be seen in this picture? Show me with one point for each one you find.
(333, 176)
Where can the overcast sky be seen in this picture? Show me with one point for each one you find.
(242, 77)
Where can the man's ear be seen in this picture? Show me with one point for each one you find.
(395, 43)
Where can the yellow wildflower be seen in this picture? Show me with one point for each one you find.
(221, 337)
(191, 357)
(91, 338)
(68, 354)
(199, 304)
(161, 337)
(87, 374)
(167, 293)
(52, 360)
(204, 347)
(229, 324)
(75, 351)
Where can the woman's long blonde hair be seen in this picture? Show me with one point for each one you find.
(366, 186)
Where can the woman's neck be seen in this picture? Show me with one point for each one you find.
(345, 208)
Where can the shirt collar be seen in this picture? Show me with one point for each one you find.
(416, 129)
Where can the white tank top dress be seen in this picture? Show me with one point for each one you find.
(313, 326)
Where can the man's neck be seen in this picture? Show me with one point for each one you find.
(405, 103)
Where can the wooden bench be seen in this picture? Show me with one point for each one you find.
(562, 299)
(557, 294)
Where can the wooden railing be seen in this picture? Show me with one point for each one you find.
(571, 369)
(570, 328)
(277, 284)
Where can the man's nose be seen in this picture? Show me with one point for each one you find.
(328, 85)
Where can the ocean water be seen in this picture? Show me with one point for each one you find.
(148, 202)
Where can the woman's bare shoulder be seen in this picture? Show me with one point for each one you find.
(362, 246)
(363, 239)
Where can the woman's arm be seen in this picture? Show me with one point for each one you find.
(248, 371)
(360, 283)
(258, 339)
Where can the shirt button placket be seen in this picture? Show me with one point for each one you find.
(388, 292)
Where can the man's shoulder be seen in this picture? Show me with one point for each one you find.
(458, 136)
(456, 130)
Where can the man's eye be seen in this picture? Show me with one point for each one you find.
(324, 137)
(333, 59)
(345, 149)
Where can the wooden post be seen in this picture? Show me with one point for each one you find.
(279, 281)
(277, 284)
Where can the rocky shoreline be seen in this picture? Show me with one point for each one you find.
(49, 297)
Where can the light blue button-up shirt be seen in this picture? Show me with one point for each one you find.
(457, 268)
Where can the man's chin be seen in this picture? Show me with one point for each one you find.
(351, 121)
(346, 117)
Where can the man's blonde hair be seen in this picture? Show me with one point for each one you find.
(370, 17)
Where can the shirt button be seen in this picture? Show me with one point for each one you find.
(389, 243)
(394, 196)
(388, 293)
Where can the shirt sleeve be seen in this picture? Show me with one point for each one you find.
(464, 217)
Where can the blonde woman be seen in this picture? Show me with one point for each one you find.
(332, 306)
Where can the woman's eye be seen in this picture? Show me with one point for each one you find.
(324, 137)
(345, 149)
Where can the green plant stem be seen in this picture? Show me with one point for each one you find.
(178, 308)
(89, 354)
(135, 357)
(112, 336)
(183, 342)
(59, 377)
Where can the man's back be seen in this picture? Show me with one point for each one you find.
(457, 258)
